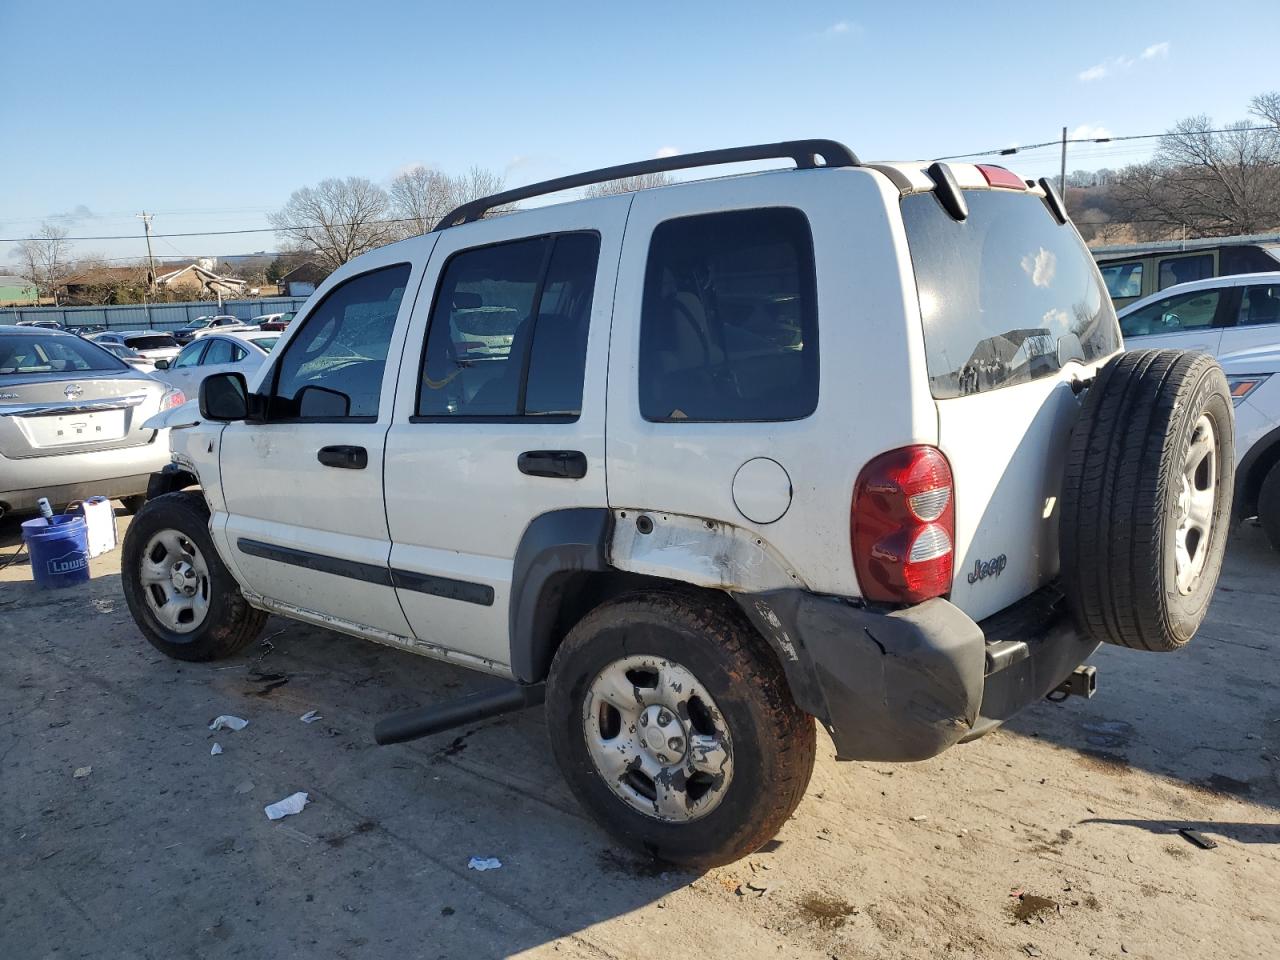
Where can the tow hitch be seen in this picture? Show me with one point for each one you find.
(1083, 682)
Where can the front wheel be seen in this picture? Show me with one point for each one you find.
(185, 601)
(671, 720)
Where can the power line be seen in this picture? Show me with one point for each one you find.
(224, 233)
(1008, 151)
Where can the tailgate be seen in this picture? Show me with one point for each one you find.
(1007, 450)
(1013, 310)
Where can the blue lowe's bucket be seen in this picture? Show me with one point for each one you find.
(59, 550)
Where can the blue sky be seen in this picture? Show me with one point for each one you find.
(210, 114)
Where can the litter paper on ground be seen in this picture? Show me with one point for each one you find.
(484, 863)
(82, 772)
(215, 750)
(228, 722)
(283, 808)
(311, 716)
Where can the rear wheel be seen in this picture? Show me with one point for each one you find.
(182, 597)
(672, 721)
(1269, 506)
(1146, 498)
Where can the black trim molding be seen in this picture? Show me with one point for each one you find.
(464, 590)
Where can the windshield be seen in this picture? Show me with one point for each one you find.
(25, 354)
(266, 343)
(1007, 296)
(156, 341)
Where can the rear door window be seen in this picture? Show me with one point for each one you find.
(508, 331)
(220, 351)
(729, 322)
(1184, 269)
(1260, 304)
(1007, 295)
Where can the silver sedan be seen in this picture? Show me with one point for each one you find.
(71, 421)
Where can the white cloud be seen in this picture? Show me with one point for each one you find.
(1041, 267)
(667, 152)
(843, 28)
(1119, 64)
(1090, 132)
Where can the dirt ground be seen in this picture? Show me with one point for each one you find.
(1055, 837)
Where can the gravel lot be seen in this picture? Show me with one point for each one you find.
(163, 850)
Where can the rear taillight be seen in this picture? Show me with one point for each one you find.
(172, 398)
(902, 526)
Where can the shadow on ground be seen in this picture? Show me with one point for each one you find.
(1207, 715)
(166, 846)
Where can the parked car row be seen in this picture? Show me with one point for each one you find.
(72, 408)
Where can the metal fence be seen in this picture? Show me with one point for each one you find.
(156, 316)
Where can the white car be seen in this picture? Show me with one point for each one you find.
(849, 442)
(216, 353)
(150, 344)
(1237, 320)
(129, 356)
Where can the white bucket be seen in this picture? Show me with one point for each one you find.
(101, 521)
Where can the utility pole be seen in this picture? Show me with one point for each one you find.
(151, 261)
(1062, 176)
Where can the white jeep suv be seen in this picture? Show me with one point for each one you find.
(698, 464)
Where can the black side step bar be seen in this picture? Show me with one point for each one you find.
(424, 721)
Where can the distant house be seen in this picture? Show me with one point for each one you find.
(17, 292)
(199, 280)
(302, 280)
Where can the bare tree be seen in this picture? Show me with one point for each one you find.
(421, 196)
(629, 184)
(44, 259)
(1210, 184)
(336, 220)
(1266, 106)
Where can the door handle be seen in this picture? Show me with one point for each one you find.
(566, 464)
(344, 457)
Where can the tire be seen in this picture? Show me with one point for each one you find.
(174, 530)
(133, 504)
(731, 708)
(1151, 420)
(1269, 506)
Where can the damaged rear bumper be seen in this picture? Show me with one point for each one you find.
(908, 684)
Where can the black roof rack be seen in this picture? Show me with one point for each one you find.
(804, 152)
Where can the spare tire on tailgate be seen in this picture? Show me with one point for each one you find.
(1146, 498)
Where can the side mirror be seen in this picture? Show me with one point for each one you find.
(162, 364)
(224, 397)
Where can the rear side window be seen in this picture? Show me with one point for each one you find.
(1006, 296)
(729, 325)
(508, 333)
